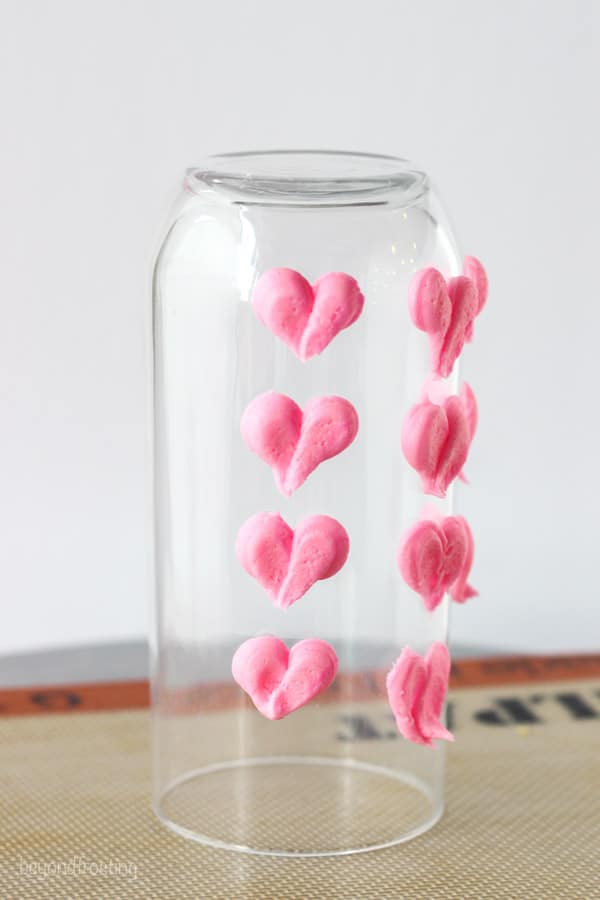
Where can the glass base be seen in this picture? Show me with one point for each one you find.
(298, 806)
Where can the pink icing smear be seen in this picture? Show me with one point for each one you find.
(294, 442)
(435, 557)
(306, 317)
(417, 689)
(287, 563)
(446, 310)
(279, 680)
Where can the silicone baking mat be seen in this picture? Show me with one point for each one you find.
(522, 817)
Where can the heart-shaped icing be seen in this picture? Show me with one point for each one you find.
(446, 310)
(294, 442)
(416, 689)
(279, 680)
(435, 557)
(463, 298)
(306, 317)
(435, 441)
(437, 391)
(287, 563)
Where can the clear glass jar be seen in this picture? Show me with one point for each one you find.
(334, 776)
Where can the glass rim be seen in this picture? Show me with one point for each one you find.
(309, 176)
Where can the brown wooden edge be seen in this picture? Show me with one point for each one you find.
(121, 695)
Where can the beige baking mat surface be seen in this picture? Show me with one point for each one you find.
(522, 817)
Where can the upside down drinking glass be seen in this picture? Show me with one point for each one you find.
(309, 313)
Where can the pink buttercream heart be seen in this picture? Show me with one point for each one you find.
(279, 680)
(287, 563)
(435, 557)
(446, 310)
(294, 442)
(435, 441)
(416, 689)
(305, 317)
(437, 391)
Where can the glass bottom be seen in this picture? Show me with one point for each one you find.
(298, 806)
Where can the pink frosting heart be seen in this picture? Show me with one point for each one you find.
(446, 310)
(293, 442)
(416, 689)
(435, 557)
(435, 441)
(463, 298)
(306, 317)
(279, 680)
(437, 391)
(287, 563)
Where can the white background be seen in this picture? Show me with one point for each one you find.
(104, 105)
